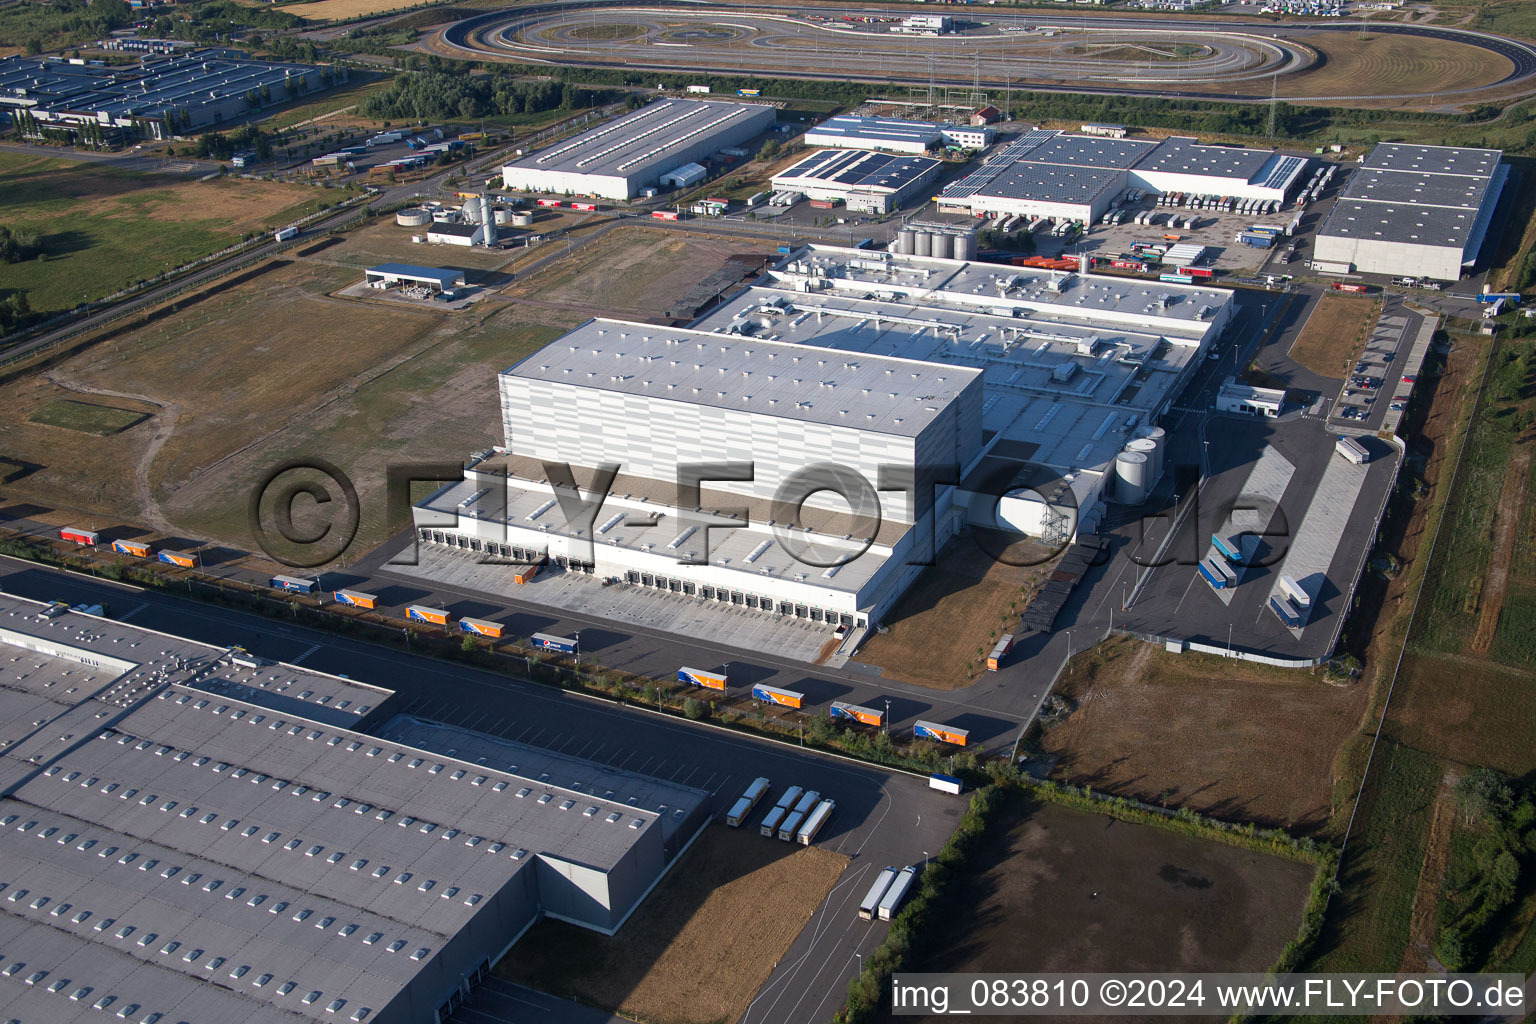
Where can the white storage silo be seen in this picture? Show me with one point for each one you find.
(502, 215)
(965, 246)
(907, 240)
(923, 243)
(522, 219)
(1131, 478)
(413, 217)
(943, 245)
(1148, 447)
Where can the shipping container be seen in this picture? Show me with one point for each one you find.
(749, 92)
(550, 642)
(708, 680)
(809, 799)
(1256, 241)
(482, 627)
(999, 652)
(283, 234)
(587, 207)
(743, 807)
(1172, 278)
(294, 584)
(1215, 573)
(854, 712)
(356, 598)
(945, 783)
(771, 821)
(1200, 272)
(941, 733)
(774, 695)
(525, 573)
(1352, 450)
(131, 547)
(664, 214)
(85, 538)
(891, 901)
(1340, 286)
(1298, 594)
(871, 902)
(185, 559)
(790, 825)
(813, 824)
(424, 613)
(784, 805)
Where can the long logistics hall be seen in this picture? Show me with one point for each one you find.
(155, 789)
(1414, 211)
(1047, 173)
(619, 159)
(831, 400)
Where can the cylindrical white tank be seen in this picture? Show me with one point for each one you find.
(923, 243)
(489, 220)
(1130, 478)
(522, 219)
(469, 213)
(965, 246)
(906, 244)
(943, 245)
(413, 217)
(502, 215)
(1148, 447)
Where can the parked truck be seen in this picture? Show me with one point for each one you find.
(891, 901)
(857, 713)
(1217, 573)
(743, 807)
(871, 902)
(999, 652)
(814, 823)
(1352, 450)
(785, 805)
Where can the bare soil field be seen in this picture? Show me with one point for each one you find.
(1234, 740)
(958, 606)
(388, 242)
(1386, 66)
(1059, 890)
(701, 944)
(1334, 335)
(329, 10)
(634, 271)
(269, 369)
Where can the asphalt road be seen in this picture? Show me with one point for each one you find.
(882, 817)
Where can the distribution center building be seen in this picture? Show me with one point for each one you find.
(157, 98)
(1007, 393)
(850, 131)
(619, 159)
(1047, 173)
(1414, 211)
(225, 838)
(862, 181)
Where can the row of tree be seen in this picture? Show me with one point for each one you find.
(36, 27)
(247, 138)
(17, 245)
(435, 95)
(1481, 887)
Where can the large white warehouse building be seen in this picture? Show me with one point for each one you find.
(1416, 211)
(1054, 174)
(619, 159)
(910, 375)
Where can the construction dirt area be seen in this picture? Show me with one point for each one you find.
(1232, 739)
(641, 272)
(923, 641)
(260, 369)
(703, 942)
(1334, 335)
(1059, 890)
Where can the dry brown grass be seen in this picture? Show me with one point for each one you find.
(329, 10)
(1467, 710)
(1334, 335)
(960, 604)
(702, 943)
(1228, 738)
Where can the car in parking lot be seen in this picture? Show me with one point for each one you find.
(1410, 379)
(1348, 392)
(1397, 406)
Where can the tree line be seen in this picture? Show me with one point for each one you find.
(436, 95)
(35, 28)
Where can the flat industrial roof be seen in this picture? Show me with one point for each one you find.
(215, 831)
(748, 374)
(856, 169)
(410, 272)
(145, 90)
(853, 127)
(1420, 195)
(644, 139)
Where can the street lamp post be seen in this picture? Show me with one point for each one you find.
(1229, 639)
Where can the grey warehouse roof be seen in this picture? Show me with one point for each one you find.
(1419, 195)
(857, 169)
(195, 833)
(878, 129)
(143, 90)
(644, 139)
(411, 272)
(748, 374)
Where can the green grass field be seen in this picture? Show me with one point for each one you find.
(104, 229)
(101, 420)
(1369, 924)
(1515, 641)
